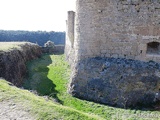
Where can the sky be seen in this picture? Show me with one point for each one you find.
(33, 15)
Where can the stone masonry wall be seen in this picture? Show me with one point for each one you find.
(117, 82)
(69, 45)
(107, 35)
(116, 28)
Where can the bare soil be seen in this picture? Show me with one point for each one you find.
(13, 111)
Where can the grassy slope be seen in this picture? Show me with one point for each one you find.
(49, 76)
(41, 108)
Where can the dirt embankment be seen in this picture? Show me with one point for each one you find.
(13, 62)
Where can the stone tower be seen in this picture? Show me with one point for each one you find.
(117, 28)
(127, 29)
(69, 45)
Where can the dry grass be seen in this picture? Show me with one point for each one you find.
(7, 46)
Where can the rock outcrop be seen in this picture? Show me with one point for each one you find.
(116, 82)
(51, 48)
(13, 62)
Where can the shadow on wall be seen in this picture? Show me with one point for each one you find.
(37, 80)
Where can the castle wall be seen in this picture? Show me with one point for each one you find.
(117, 28)
(69, 46)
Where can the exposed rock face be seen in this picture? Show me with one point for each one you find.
(48, 47)
(51, 48)
(13, 63)
(116, 82)
(49, 44)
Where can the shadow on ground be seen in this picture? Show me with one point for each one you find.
(37, 78)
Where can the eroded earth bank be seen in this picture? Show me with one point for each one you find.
(13, 62)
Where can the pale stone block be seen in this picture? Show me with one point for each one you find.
(103, 51)
(115, 55)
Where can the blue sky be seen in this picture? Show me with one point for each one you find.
(46, 15)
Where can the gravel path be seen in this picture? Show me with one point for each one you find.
(13, 111)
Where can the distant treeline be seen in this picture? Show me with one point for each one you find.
(39, 37)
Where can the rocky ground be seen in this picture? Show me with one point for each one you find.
(13, 111)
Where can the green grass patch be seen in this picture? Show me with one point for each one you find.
(39, 107)
(50, 74)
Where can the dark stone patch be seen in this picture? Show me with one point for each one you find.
(118, 82)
